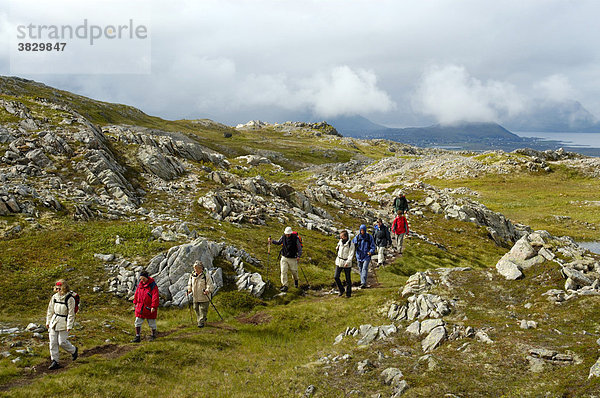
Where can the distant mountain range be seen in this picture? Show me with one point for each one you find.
(559, 117)
(467, 136)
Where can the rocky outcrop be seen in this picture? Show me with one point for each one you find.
(394, 377)
(168, 143)
(253, 200)
(153, 161)
(526, 252)
(367, 333)
(171, 271)
(502, 230)
(245, 281)
(420, 306)
(581, 269)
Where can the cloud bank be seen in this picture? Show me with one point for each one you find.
(339, 91)
(451, 95)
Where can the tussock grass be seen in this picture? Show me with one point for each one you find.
(534, 199)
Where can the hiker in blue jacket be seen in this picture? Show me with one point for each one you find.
(365, 248)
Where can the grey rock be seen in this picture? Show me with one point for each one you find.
(434, 339)
(105, 257)
(483, 337)
(508, 269)
(310, 391)
(595, 370)
(364, 366)
(391, 376)
(414, 328)
(429, 324)
(369, 334)
(399, 389)
(154, 161)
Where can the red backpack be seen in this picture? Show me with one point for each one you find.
(299, 237)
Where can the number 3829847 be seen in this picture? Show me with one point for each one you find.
(41, 46)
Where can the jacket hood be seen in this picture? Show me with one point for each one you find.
(148, 282)
(363, 226)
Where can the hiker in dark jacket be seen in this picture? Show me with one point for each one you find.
(146, 305)
(365, 248)
(382, 240)
(291, 250)
(401, 204)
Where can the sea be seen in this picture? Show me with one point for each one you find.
(587, 141)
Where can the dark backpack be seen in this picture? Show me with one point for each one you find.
(75, 297)
(299, 237)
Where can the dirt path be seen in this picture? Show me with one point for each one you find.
(108, 351)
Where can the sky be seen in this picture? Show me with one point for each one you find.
(399, 63)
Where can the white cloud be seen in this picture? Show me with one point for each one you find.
(555, 88)
(340, 91)
(451, 95)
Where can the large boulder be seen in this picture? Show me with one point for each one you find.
(154, 161)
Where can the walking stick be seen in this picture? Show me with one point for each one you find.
(302, 269)
(210, 294)
(190, 308)
(268, 257)
(211, 303)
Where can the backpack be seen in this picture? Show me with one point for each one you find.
(299, 238)
(66, 302)
(76, 297)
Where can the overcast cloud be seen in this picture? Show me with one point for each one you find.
(399, 63)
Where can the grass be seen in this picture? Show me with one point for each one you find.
(268, 346)
(534, 199)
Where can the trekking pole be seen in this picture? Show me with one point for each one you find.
(268, 258)
(302, 269)
(190, 308)
(211, 303)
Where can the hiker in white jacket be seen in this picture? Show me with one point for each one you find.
(59, 322)
(343, 262)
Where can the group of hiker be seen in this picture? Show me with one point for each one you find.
(362, 247)
(63, 306)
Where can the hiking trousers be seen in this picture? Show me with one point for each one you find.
(363, 269)
(140, 321)
(288, 264)
(380, 255)
(201, 308)
(347, 271)
(59, 339)
(399, 240)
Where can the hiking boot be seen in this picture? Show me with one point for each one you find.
(363, 286)
(341, 293)
(201, 325)
(296, 283)
(153, 335)
(137, 339)
(75, 354)
(284, 288)
(53, 365)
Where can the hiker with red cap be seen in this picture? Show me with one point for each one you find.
(60, 318)
(146, 305)
(291, 250)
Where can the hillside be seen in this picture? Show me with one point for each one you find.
(491, 296)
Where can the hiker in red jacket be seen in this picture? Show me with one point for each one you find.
(146, 305)
(400, 230)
